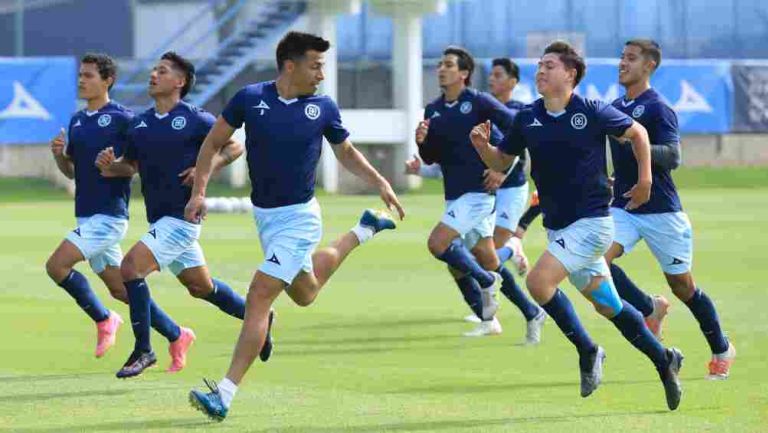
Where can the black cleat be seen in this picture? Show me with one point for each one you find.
(591, 368)
(136, 364)
(266, 350)
(670, 378)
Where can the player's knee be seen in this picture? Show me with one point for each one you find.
(56, 270)
(605, 298)
(304, 300)
(537, 287)
(128, 269)
(200, 291)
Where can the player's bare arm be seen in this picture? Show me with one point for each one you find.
(641, 146)
(355, 162)
(63, 162)
(110, 166)
(494, 158)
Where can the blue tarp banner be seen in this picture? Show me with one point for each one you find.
(37, 98)
(701, 93)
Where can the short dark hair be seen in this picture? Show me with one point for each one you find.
(464, 59)
(104, 63)
(183, 65)
(508, 65)
(569, 57)
(649, 48)
(295, 45)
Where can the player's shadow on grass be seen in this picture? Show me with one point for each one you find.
(401, 322)
(497, 387)
(448, 425)
(159, 424)
(325, 341)
(47, 377)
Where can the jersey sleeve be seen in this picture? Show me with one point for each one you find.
(130, 153)
(121, 136)
(514, 140)
(667, 131)
(611, 120)
(69, 149)
(334, 130)
(428, 150)
(496, 112)
(234, 112)
(205, 123)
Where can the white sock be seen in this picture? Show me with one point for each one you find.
(363, 233)
(227, 389)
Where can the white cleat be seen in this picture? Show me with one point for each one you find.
(533, 328)
(487, 327)
(490, 297)
(518, 259)
(472, 318)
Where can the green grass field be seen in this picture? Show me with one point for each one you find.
(381, 349)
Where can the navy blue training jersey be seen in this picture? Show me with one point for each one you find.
(652, 111)
(568, 162)
(89, 134)
(283, 139)
(517, 176)
(164, 146)
(448, 142)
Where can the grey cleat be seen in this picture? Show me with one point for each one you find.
(591, 369)
(533, 328)
(670, 377)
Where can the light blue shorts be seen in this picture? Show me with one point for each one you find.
(289, 236)
(471, 215)
(510, 205)
(580, 248)
(174, 244)
(98, 239)
(668, 235)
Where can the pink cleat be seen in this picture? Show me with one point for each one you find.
(107, 333)
(655, 321)
(179, 348)
(720, 365)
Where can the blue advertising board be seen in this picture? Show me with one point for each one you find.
(700, 92)
(37, 98)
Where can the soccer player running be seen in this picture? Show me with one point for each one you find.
(463, 239)
(661, 221)
(565, 135)
(285, 123)
(101, 203)
(162, 145)
(511, 191)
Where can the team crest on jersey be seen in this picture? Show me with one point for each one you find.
(179, 122)
(579, 121)
(638, 111)
(105, 120)
(465, 107)
(312, 111)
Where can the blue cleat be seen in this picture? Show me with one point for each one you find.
(266, 350)
(209, 403)
(377, 220)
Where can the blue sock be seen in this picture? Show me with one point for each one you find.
(561, 311)
(227, 299)
(629, 292)
(458, 257)
(162, 323)
(138, 304)
(504, 253)
(77, 286)
(470, 290)
(704, 311)
(630, 323)
(514, 293)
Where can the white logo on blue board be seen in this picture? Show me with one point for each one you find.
(105, 120)
(579, 121)
(638, 111)
(312, 111)
(24, 106)
(179, 122)
(465, 107)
